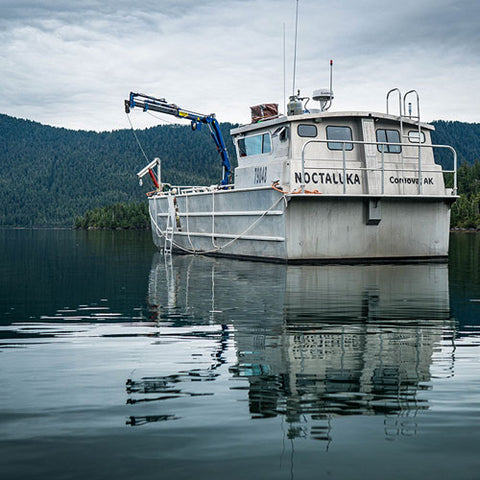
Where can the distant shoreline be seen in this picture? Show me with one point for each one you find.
(464, 230)
(147, 229)
(6, 227)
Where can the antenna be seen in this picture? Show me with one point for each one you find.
(295, 50)
(284, 82)
(295, 104)
(324, 96)
(331, 81)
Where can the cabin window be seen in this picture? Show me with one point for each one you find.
(339, 133)
(388, 136)
(254, 145)
(413, 136)
(307, 130)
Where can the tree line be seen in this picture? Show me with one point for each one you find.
(466, 210)
(117, 216)
(56, 177)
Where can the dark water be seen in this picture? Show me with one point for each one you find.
(115, 363)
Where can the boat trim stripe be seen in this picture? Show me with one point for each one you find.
(226, 235)
(245, 213)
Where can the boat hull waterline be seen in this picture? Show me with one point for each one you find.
(266, 224)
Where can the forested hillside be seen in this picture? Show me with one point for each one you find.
(466, 210)
(463, 137)
(50, 176)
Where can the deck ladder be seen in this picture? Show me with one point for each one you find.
(167, 247)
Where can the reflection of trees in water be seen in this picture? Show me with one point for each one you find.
(313, 343)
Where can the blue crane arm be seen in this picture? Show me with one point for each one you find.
(162, 106)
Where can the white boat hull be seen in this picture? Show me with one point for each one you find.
(267, 225)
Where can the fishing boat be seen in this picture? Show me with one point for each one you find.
(312, 186)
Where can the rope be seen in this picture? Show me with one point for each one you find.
(161, 118)
(294, 192)
(136, 138)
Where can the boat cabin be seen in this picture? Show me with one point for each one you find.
(353, 153)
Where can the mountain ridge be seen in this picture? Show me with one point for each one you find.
(51, 175)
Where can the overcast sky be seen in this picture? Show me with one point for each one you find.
(72, 63)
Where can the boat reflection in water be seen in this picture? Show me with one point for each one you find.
(313, 342)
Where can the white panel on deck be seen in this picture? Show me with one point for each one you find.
(371, 160)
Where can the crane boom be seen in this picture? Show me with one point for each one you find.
(148, 103)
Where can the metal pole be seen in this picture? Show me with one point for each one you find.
(159, 174)
(419, 167)
(303, 167)
(331, 85)
(455, 172)
(383, 171)
(344, 169)
(284, 78)
(295, 50)
(399, 100)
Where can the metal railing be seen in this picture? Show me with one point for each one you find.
(382, 169)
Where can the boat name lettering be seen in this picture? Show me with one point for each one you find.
(260, 175)
(326, 177)
(411, 180)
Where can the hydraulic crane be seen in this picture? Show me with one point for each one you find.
(162, 106)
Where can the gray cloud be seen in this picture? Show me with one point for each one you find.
(71, 63)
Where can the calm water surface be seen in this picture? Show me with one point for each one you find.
(116, 362)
